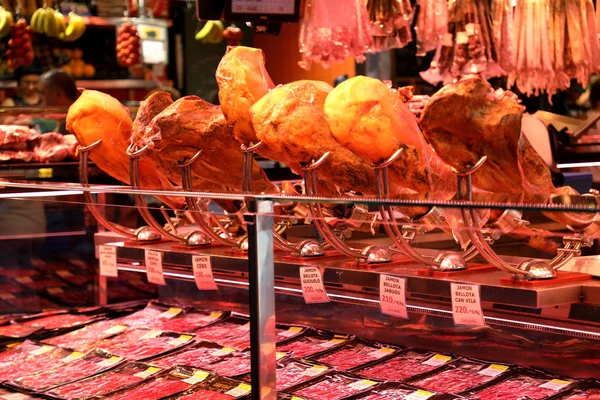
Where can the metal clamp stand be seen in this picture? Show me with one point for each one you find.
(444, 261)
(194, 238)
(224, 237)
(530, 269)
(143, 234)
(304, 248)
(371, 254)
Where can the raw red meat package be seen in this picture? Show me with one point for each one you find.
(354, 354)
(236, 364)
(69, 369)
(232, 332)
(17, 331)
(404, 366)
(335, 386)
(140, 344)
(28, 358)
(152, 314)
(288, 332)
(398, 391)
(56, 321)
(523, 385)
(106, 383)
(217, 388)
(199, 355)
(293, 372)
(313, 343)
(168, 383)
(460, 376)
(583, 391)
(190, 322)
(83, 339)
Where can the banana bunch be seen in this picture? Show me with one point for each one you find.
(6, 21)
(211, 32)
(48, 21)
(75, 29)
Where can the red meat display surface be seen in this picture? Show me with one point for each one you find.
(292, 372)
(522, 386)
(198, 356)
(71, 369)
(216, 388)
(286, 333)
(389, 394)
(146, 317)
(456, 378)
(138, 344)
(355, 354)
(162, 385)
(309, 345)
(404, 366)
(17, 330)
(335, 387)
(58, 321)
(29, 358)
(227, 333)
(234, 365)
(84, 338)
(105, 383)
(204, 394)
(190, 322)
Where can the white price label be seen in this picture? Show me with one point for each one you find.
(198, 376)
(313, 290)
(110, 361)
(170, 313)
(154, 267)
(108, 261)
(73, 356)
(24, 280)
(213, 316)
(241, 390)
(147, 372)
(494, 370)
(151, 335)
(115, 329)
(362, 385)
(382, 352)
(392, 296)
(292, 331)
(419, 395)
(63, 273)
(180, 340)
(7, 296)
(42, 350)
(315, 370)
(54, 290)
(437, 360)
(466, 304)
(203, 274)
(332, 342)
(223, 352)
(556, 384)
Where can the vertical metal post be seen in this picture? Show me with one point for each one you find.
(261, 276)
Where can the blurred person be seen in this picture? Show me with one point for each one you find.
(58, 88)
(28, 88)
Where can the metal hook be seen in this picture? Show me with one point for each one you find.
(390, 160)
(252, 147)
(316, 164)
(135, 153)
(190, 161)
(472, 169)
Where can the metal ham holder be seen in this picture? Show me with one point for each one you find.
(143, 234)
(303, 248)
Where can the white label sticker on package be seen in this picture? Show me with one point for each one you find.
(556, 384)
(198, 376)
(54, 290)
(180, 340)
(419, 395)
(466, 304)
(223, 352)
(292, 331)
(73, 356)
(437, 360)
(63, 273)
(203, 274)
(24, 280)
(493, 370)
(382, 352)
(42, 350)
(7, 296)
(154, 267)
(147, 372)
(392, 296)
(313, 290)
(241, 390)
(108, 261)
(332, 342)
(362, 385)
(151, 335)
(110, 361)
(213, 316)
(315, 370)
(170, 313)
(115, 329)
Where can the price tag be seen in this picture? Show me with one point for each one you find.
(42, 350)
(313, 290)
(493, 370)
(147, 372)
(297, 398)
(7, 296)
(223, 352)
(203, 273)
(115, 329)
(280, 354)
(154, 267)
(466, 304)
(170, 313)
(392, 296)
(437, 360)
(556, 384)
(73, 356)
(241, 390)
(54, 290)
(45, 173)
(382, 352)
(151, 335)
(362, 385)
(332, 342)
(25, 280)
(180, 340)
(110, 361)
(198, 376)
(63, 273)
(213, 316)
(315, 370)
(419, 395)
(108, 261)
(293, 331)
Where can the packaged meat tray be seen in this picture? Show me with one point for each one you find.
(531, 385)
(231, 332)
(238, 364)
(55, 321)
(217, 388)
(399, 391)
(313, 343)
(198, 355)
(28, 358)
(121, 378)
(190, 322)
(405, 365)
(335, 386)
(288, 332)
(355, 353)
(583, 391)
(460, 376)
(152, 314)
(141, 344)
(83, 339)
(293, 372)
(173, 381)
(17, 331)
(72, 368)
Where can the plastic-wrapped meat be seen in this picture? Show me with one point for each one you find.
(204, 394)
(334, 387)
(139, 344)
(15, 137)
(17, 331)
(71, 368)
(522, 386)
(235, 365)
(404, 366)
(228, 333)
(145, 317)
(20, 362)
(163, 385)
(354, 354)
(58, 321)
(399, 393)
(286, 333)
(84, 338)
(190, 322)
(293, 372)
(310, 344)
(107, 382)
(217, 388)
(456, 378)
(198, 356)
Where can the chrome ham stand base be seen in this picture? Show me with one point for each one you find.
(402, 238)
(370, 255)
(191, 239)
(304, 248)
(143, 234)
